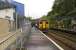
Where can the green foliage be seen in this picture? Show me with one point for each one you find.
(61, 8)
(67, 22)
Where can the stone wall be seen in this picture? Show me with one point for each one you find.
(4, 26)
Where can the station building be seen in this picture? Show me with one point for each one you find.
(9, 12)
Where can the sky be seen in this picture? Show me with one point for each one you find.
(36, 8)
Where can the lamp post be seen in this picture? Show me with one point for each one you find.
(16, 22)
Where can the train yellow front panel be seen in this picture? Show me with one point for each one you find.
(47, 26)
(44, 24)
(40, 26)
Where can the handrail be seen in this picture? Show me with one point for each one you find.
(9, 39)
(6, 38)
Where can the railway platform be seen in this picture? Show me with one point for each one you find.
(38, 41)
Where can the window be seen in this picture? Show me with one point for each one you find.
(46, 22)
(40, 22)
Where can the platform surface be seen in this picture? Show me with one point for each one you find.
(37, 41)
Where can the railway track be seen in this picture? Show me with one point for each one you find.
(65, 31)
(67, 42)
(63, 34)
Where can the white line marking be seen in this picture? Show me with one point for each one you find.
(52, 41)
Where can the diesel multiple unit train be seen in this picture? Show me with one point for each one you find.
(42, 25)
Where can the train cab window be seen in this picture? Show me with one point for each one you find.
(46, 22)
(40, 22)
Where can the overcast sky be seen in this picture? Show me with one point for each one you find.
(37, 8)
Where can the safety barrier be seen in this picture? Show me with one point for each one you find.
(9, 40)
(15, 38)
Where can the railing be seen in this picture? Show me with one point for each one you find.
(9, 40)
(20, 36)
